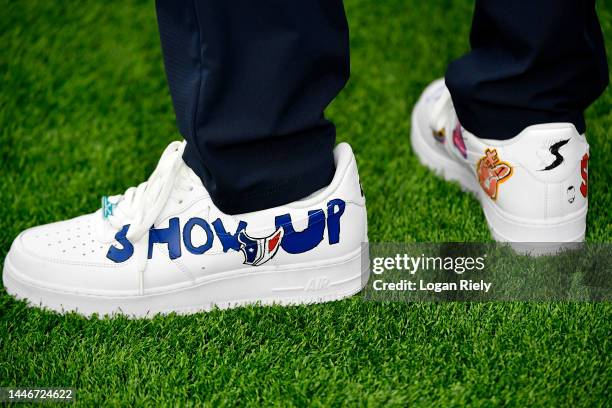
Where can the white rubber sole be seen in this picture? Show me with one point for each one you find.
(288, 285)
(525, 236)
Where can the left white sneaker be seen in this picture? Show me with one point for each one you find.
(164, 247)
(532, 188)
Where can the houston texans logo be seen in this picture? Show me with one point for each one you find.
(258, 251)
(554, 150)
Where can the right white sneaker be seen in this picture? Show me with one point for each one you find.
(532, 188)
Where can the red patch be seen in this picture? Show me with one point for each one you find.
(584, 172)
(273, 242)
(458, 140)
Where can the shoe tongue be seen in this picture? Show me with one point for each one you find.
(142, 205)
(188, 174)
(187, 187)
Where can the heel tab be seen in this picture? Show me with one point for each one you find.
(345, 161)
(345, 183)
(343, 152)
(550, 130)
(550, 152)
(539, 131)
(552, 126)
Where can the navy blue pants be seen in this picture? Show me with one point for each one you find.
(250, 81)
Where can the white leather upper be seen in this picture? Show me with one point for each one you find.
(531, 193)
(71, 255)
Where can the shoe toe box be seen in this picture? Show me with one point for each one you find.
(67, 256)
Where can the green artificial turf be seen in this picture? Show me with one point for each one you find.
(85, 111)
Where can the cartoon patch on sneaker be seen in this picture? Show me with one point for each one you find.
(492, 172)
(584, 173)
(571, 194)
(458, 140)
(439, 134)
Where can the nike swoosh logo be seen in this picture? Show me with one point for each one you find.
(554, 150)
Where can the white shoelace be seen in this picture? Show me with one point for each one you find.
(140, 206)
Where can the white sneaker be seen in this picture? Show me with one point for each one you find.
(532, 188)
(164, 247)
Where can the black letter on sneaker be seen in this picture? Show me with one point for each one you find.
(554, 150)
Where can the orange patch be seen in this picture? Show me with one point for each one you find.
(492, 172)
